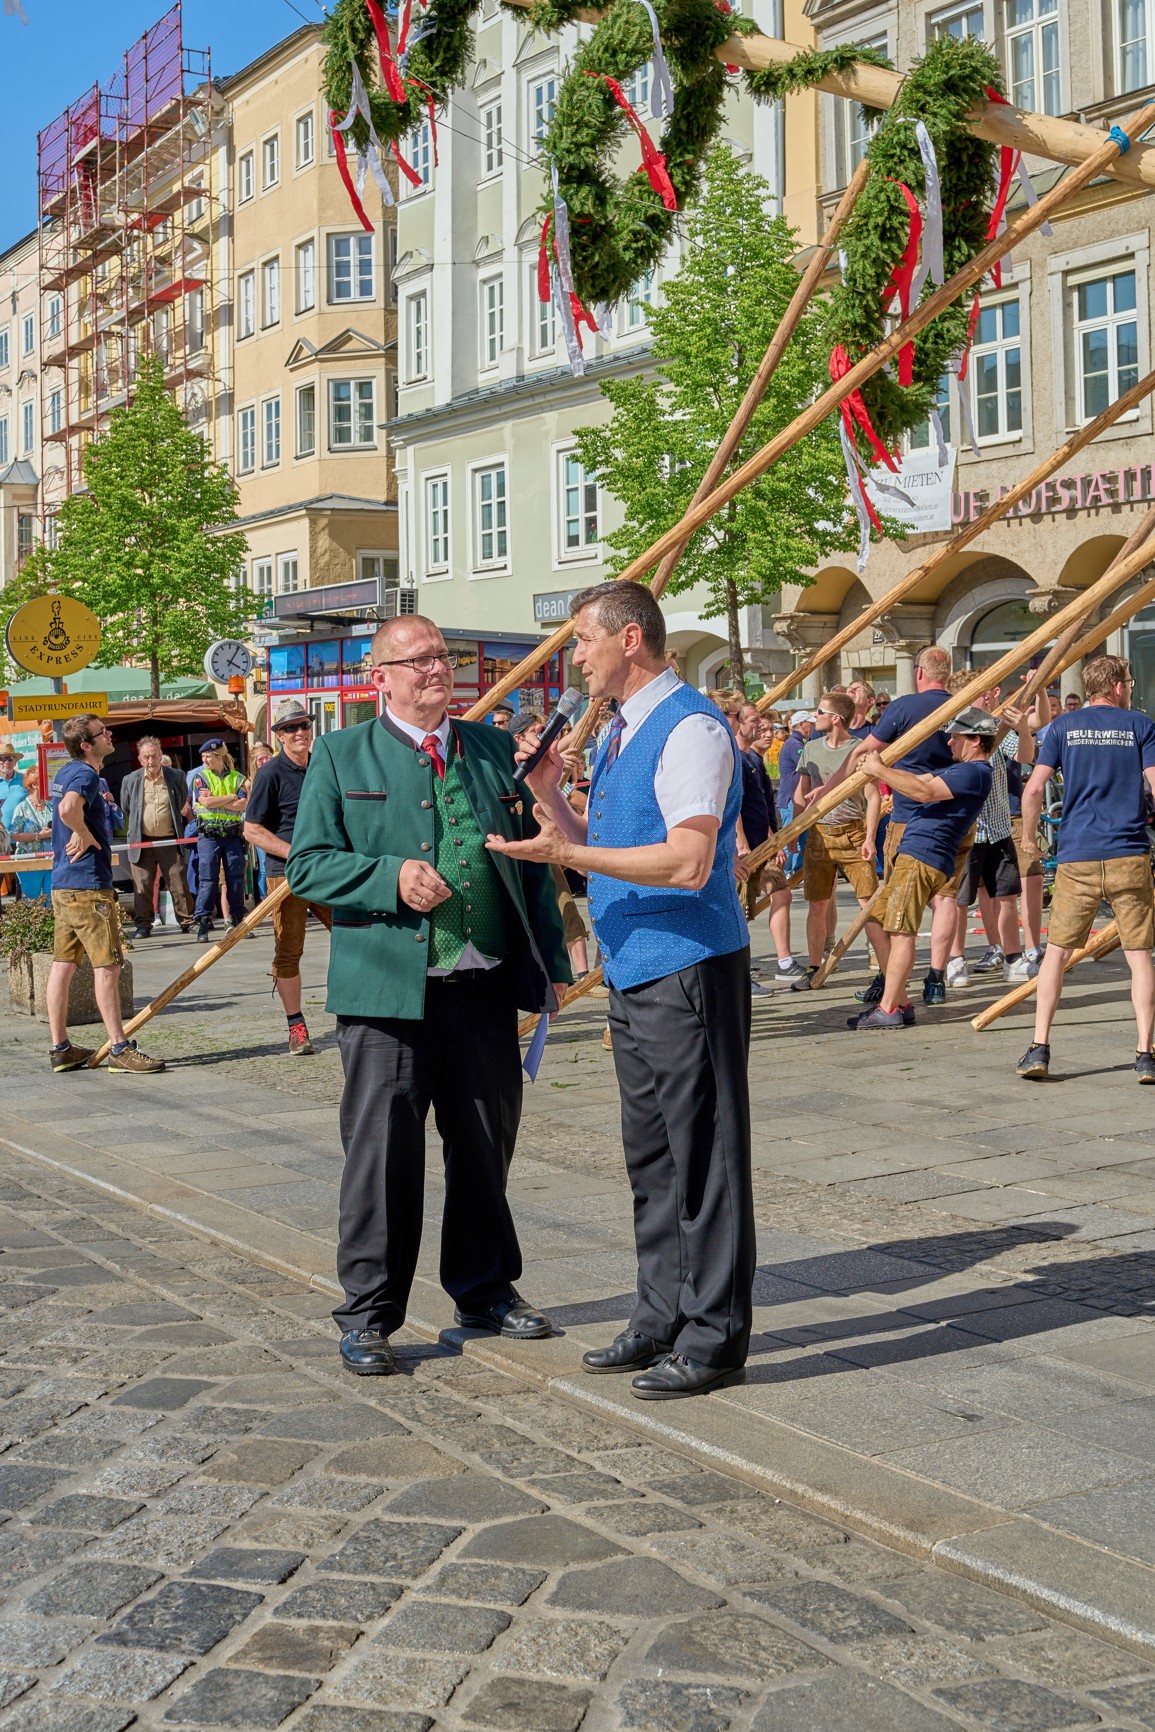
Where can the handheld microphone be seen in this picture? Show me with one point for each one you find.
(569, 704)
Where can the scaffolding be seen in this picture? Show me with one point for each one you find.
(128, 217)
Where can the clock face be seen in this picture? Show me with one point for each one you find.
(228, 657)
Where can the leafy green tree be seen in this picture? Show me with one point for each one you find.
(716, 321)
(147, 546)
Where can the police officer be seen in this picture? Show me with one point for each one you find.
(218, 791)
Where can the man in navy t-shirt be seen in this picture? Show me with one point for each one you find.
(85, 912)
(943, 806)
(1105, 753)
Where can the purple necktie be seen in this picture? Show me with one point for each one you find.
(614, 739)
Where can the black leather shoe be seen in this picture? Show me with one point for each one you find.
(629, 1351)
(367, 1353)
(676, 1376)
(512, 1318)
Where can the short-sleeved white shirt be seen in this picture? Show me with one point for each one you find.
(697, 762)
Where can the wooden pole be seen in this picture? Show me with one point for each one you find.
(1142, 532)
(924, 314)
(960, 539)
(760, 383)
(1102, 945)
(1064, 141)
(844, 943)
(1099, 633)
(1114, 579)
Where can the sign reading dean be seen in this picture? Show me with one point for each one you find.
(53, 635)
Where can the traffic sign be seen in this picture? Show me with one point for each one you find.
(54, 707)
(54, 635)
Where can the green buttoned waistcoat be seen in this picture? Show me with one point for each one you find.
(367, 806)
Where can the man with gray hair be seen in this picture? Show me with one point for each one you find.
(156, 804)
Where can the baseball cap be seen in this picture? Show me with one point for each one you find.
(801, 716)
(974, 721)
(212, 746)
(504, 704)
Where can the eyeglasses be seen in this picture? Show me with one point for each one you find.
(420, 664)
(97, 734)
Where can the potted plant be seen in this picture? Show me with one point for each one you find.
(27, 930)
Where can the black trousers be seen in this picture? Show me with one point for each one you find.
(462, 1059)
(681, 1046)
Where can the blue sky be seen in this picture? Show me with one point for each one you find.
(69, 45)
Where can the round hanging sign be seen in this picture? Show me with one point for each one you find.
(53, 635)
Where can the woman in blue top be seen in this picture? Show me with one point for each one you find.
(30, 830)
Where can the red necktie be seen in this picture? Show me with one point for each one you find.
(614, 738)
(432, 745)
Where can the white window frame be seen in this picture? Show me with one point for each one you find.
(438, 524)
(487, 555)
(5, 346)
(270, 162)
(352, 249)
(543, 322)
(304, 132)
(28, 334)
(1032, 92)
(246, 176)
(388, 559)
(636, 88)
(417, 336)
(300, 449)
(492, 139)
(27, 427)
(491, 291)
(261, 582)
(247, 439)
(270, 293)
(4, 442)
(288, 573)
(541, 95)
(938, 23)
(1000, 349)
(852, 133)
(305, 275)
(639, 302)
(55, 316)
(271, 431)
(565, 482)
(357, 400)
(1112, 322)
(1066, 271)
(55, 410)
(920, 438)
(246, 305)
(194, 321)
(420, 155)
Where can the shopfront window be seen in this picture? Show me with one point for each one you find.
(1140, 651)
(286, 667)
(324, 664)
(999, 631)
(356, 660)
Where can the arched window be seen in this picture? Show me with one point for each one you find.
(999, 631)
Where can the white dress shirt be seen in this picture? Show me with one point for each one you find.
(697, 762)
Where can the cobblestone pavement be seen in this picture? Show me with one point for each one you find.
(954, 1348)
(207, 1523)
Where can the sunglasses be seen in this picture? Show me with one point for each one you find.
(295, 728)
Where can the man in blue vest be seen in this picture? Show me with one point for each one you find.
(436, 944)
(656, 843)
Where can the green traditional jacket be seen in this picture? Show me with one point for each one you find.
(367, 806)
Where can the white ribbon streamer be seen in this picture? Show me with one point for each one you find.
(1031, 195)
(573, 343)
(360, 104)
(13, 9)
(965, 405)
(561, 238)
(662, 96)
(415, 36)
(936, 426)
(858, 498)
(931, 264)
(604, 315)
(371, 159)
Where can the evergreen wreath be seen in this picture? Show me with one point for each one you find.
(620, 227)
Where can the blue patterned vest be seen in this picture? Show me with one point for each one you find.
(647, 932)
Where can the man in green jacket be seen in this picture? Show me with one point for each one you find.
(436, 944)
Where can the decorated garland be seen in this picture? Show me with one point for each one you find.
(385, 70)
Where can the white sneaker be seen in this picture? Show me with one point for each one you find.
(991, 958)
(1021, 969)
(788, 972)
(956, 972)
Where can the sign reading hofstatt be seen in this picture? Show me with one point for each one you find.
(928, 489)
(53, 635)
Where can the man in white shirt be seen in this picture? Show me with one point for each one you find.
(657, 844)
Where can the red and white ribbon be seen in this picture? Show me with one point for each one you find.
(390, 74)
(371, 159)
(902, 279)
(932, 266)
(853, 408)
(343, 171)
(863, 509)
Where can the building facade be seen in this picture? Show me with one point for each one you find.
(499, 523)
(1067, 333)
(21, 448)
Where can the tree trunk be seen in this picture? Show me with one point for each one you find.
(737, 663)
(154, 674)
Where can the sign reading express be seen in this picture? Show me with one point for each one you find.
(1064, 493)
(53, 635)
